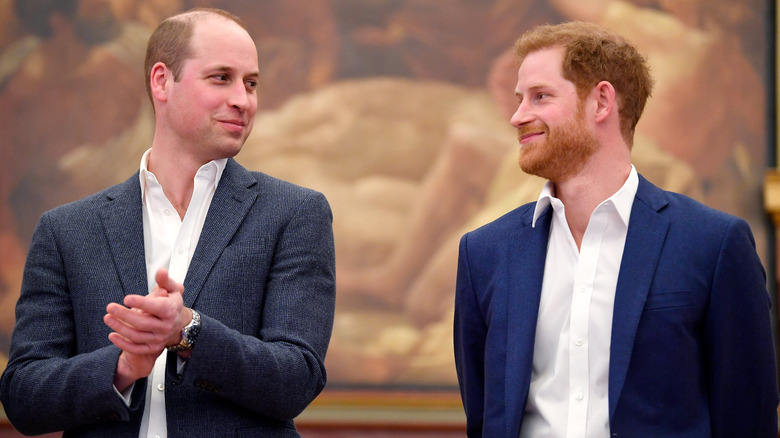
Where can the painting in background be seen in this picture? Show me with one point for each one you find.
(398, 111)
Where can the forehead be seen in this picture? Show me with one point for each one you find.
(543, 66)
(223, 42)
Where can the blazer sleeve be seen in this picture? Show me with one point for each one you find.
(739, 346)
(49, 385)
(469, 336)
(278, 373)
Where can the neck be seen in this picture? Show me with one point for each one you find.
(584, 192)
(176, 176)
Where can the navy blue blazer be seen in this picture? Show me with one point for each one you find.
(691, 352)
(262, 277)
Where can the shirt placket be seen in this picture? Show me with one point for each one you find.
(171, 224)
(579, 340)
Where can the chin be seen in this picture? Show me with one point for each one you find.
(230, 150)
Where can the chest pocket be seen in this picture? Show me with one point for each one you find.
(676, 299)
(233, 292)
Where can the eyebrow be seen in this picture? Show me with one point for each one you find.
(532, 88)
(228, 69)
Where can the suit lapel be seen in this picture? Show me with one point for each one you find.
(646, 234)
(526, 253)
(124, 229)
(230, 205)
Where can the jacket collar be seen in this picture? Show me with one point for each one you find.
(232, 200)
(122, 218)
(645, 239)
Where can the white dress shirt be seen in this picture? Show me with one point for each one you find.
(569, 391)
(169, 242)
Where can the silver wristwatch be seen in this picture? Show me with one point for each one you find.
(189, 334)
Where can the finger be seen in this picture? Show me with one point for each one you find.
(151, 325)
(127, 314)
(131, 347)
(154, 335)
(158, 292)
(164, 281)
(164, 307)
(120, 312)
(117, 305)
(139, 301)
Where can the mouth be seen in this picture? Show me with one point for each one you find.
(237, 122)
(233, 125)
(527, 137)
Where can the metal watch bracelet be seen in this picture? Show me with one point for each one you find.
(189, 334)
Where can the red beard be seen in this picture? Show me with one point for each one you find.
(562, 154)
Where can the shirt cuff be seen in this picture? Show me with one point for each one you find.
(180, 364)
(127, 394)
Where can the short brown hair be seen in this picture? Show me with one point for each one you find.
(594, 54)
(170, 41)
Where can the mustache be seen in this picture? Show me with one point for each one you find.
(531, 129)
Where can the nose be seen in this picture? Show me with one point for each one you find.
(521, 116)
(240, 98)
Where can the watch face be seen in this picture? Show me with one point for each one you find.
(192, 333)
(188, 334)
(191, 330)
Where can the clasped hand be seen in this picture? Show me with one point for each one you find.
(145, 327)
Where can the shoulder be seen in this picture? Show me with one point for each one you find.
(508, 224)
(492, 240)
(274, 192)
(279, 187)
(692, 228)
(284, 194)
(263, 182)
(682, 210)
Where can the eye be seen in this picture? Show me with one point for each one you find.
(221, 77)
(251, 84)
(542, 96)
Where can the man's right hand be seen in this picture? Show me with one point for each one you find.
(145, 327)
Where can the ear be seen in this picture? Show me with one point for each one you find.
(604, 96)
(159, 79)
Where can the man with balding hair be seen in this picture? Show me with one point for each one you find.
(194, 299)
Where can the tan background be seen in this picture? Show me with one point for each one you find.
(398, 111)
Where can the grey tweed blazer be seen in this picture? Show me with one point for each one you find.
(262, 277)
